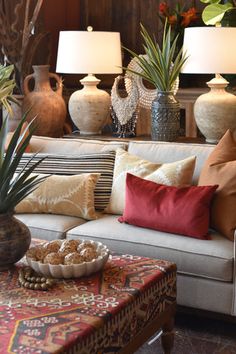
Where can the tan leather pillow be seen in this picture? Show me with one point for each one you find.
(220, 168)
(178, 173)
(65, 195)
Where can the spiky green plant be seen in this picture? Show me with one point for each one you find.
(159, 66)
(14, 187)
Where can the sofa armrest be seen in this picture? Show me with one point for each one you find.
(234, 278)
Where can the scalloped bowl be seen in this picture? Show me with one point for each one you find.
(74, 270)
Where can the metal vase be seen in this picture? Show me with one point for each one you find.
(165, 113)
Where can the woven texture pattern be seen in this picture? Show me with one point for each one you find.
(89, 315)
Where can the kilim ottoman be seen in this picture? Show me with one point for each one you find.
(112, 311)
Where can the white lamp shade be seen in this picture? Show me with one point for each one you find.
(210, 50)
(85, 52)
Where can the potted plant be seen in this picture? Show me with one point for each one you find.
(161, 67)
(215, 10)
(14, 235)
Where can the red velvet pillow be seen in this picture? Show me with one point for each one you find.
(183, 211)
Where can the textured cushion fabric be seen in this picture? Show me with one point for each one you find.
(183, 211)
(220, 168)
(73, 146)
(48, 226)
(163, 152)
(200, 258)
(102, 163)
(178, 173)
(65, 195)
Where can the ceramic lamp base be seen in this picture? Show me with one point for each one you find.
(215, 111)
(89, 108)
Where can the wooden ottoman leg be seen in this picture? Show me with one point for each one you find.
(167, 338)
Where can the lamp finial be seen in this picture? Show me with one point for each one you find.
(89, 28)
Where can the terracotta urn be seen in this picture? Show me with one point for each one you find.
(46, 104)
(14, 240)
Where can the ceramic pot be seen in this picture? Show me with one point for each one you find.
(45, 103)
(14, 240)
(165, 114)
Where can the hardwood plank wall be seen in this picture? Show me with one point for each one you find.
(123, 16)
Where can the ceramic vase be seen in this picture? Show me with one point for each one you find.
(165, 117)
(46, 104)
(14, 240)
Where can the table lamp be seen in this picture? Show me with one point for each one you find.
(211, 50)
(89, 52)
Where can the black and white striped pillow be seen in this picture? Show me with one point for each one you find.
(72, 165)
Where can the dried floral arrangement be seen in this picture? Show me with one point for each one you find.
(20, 41)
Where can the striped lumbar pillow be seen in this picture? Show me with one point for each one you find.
(102, 163)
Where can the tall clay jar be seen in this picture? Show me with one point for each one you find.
(45, 103)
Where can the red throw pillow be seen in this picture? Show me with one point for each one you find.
(179, 210)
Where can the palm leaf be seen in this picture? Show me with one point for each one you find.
(158, 65)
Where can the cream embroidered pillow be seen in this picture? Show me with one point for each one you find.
(65, 195)
(177, 173)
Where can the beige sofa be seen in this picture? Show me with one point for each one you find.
(206, 268)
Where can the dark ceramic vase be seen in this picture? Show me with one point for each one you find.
(14, 240)
(165, 114)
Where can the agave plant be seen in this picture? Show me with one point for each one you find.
(160, 66)
(14, 187)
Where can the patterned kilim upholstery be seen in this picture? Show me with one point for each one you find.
(95, 314)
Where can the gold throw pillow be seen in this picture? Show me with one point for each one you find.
(65, 195)
(177, 173)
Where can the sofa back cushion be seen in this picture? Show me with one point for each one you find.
(163, 152)
(73, 146)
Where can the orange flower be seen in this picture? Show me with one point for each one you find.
(172, 19)
(163, 8)
(189, 16)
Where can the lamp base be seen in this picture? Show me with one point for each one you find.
(89, 108)
(215, 111)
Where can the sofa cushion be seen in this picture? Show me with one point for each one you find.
(184, 211)
(48, 226)
(163, 152)
(178, 173)
(201, 258)
(64, 195)
(102, 163)
(220, 168)
(73, 146)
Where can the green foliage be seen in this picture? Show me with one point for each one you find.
(15, 187)
(214, 12)
(159, 66)
(6, 87)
